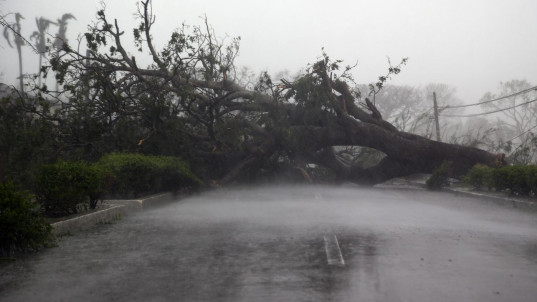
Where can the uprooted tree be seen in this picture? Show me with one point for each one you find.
(191, 96)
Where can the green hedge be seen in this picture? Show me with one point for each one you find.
(520, 180)
(21, 226)
(65, 186)
(136, 174)
(173, 174)
(440, 176)
(479, 176)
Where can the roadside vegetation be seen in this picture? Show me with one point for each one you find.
(513, 180)
(440, 177)
(133, 175)
(516, 180)
(22, 228)
(67, 187)
(112, 127)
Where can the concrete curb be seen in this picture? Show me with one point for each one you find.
(117, 209)
(417, 182)
(502, 200)
(520, 203)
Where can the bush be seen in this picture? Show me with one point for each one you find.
(62, 188)
(511, 178)
(21, 226)
(174, 175)
(520, 180)
(440, 177)
(65, 186)
(137, 174)
(479, 176)
(531, 179)
(130, 174)
(96, 184)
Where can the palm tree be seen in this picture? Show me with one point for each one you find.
(61, 38)
(40, 40)
(18, 41)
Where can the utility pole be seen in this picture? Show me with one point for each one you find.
(436, 118)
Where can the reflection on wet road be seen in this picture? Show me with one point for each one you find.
(276, 244)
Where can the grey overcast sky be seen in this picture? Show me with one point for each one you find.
(472, 45)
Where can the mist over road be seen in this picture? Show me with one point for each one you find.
(293, 243)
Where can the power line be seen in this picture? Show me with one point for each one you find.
(522, 143)
(489, 112)
(522, 133)
(494, 100)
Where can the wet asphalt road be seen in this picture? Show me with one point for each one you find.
(271, 244)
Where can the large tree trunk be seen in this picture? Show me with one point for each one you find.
(405, 153)
(244, 128)
(343, 124)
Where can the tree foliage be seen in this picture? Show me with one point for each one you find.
(189, 102)
(515, 180)
(28, 138)
(132, 175)
(21, 226)
(64, 187)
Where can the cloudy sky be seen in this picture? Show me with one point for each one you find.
(472, 45)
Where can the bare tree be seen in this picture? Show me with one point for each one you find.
(516, 117)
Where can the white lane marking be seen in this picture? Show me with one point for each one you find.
(333, 252)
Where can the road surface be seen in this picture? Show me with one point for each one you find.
(301, 243)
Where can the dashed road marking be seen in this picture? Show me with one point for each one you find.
(333, 252)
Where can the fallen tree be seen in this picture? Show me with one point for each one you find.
(232, 129)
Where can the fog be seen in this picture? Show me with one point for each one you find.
(470, 45)
(266, 244)
(351, 206)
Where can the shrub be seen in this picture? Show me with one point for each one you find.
(513, 179)
(531, 179)
(129, 174)
(479, 176)
(440, 177)
(517, 183)
(96, 184)
(137, 174)
(65, 186)
(21, 226)
(173, 174)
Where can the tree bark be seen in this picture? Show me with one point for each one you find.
(302, 119)
(405, 153)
